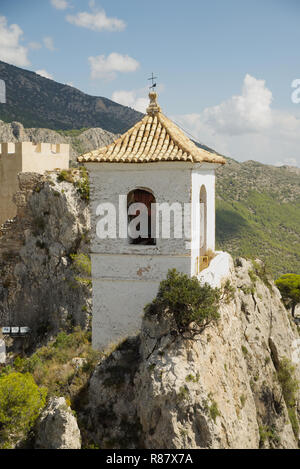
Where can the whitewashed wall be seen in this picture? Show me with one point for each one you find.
(219, 269)
(169, 182)
(126, 276)
(202, 175)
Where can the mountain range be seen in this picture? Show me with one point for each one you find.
(36, 101)
(258, 213)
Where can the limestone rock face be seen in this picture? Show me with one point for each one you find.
(39, 286)
(86, 141)
(57, 427)
(221, 391)
(111, 415)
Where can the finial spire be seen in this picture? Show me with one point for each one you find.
(152, 78)
(153, 107)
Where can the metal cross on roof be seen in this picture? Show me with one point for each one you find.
(152, 78)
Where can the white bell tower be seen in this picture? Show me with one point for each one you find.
(154, 164)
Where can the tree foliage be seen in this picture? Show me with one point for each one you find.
(191, 305)
(289, 286)
(290, 387)
(21, 401)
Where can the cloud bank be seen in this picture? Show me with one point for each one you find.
(60, 4)
(134, 99)
(107, 67)
(11, 50)
(96, 21)
(247, 127)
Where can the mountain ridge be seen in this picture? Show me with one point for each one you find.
(58, 106)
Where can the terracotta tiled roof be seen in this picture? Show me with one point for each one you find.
(155, 138)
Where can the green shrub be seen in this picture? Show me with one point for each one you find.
(21, 402)
(228, 292)
(82, 265)
(51, 366)
(66, 175)
(261, 271)
(252, 276)
(290, 386)
(191, 305)
(268, 434)
(83, 185)
(183, 393)
(214, 411)
(289, 286)
(243, 399)
(193, 379)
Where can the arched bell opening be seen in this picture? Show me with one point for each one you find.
(203, 222)
(141, 217)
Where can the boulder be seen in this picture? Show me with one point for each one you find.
(57, 427)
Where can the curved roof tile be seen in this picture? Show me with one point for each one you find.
(155, 138)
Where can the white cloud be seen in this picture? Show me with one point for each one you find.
(247, 113)
(96, 20)
(45, 74)
(136, 99)
(49, 43)
(11, 50)
(60, 4)
(34, 45)
(131, 99)
(107, 67)
(247, 127)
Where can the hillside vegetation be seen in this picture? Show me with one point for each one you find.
(258, 213)
(36, 101)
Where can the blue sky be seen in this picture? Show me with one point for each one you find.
(225, 68)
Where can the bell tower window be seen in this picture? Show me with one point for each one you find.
(141, 217)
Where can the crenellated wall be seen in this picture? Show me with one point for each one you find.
(26, 157)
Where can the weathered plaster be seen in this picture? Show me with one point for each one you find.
(125, 276)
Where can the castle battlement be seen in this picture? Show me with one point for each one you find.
(43, 149)
(26, 157)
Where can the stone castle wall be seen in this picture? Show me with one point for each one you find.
(26, 157)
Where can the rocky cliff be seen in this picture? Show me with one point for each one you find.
(79, 141)
(44, 265)
(233, 387)
(224, 390)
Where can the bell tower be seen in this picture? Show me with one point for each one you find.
(153, 209)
